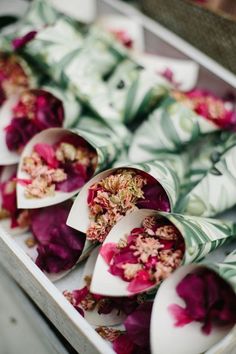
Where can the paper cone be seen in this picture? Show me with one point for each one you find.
(103, 141)
(201, 237)
(135, 91)
(165, 337)
(185, 72)
(127, 27)
(169, 128)
(160, 171)
(215, 192)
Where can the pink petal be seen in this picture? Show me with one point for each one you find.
(47, 153)
(107, 251)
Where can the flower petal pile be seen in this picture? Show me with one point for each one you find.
(147, 255)
(208, 106)
(209, 300)
(59, 246)
(35, 111)
(135, 338)
(84, 300)
(122, 192)
(64, 166)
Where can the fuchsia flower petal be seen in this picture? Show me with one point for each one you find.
(140, 283)
(19, 132)
(59, 245)
(155, 198)
(137, 325)
(123, 345)
(47, 153)
(107, 252)
(75, 179)
(20, 42)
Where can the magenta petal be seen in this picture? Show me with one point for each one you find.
(155, 198)
(20, 42)
(59, 245)
(123, 345)
(180, 315)
(47, 153)
(107, 251)
(137, 325)
(19, 132)
(140, 283)
(74, 181)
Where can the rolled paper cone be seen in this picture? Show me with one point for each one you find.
(201, 236)
(54, 47)
(203, 155)
(215, 192)
(182, 73)
(135, 91)
(40, 13)
(169, 128)
(160, 171)
(127, 30)
(225, 269)
(101, 139)
(189, 339)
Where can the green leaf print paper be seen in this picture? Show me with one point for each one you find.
(169, 128)
(135, 91)
(215, 192)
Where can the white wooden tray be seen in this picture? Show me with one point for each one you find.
(45, 294)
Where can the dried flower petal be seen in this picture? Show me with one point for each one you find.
(59, 246)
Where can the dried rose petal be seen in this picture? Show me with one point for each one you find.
(137, 325)
(47, 153)
(123, 345)
(59, 246)
(20, 42)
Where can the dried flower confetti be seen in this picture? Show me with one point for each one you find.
(150, 253)
(122, 192)
(65, 166)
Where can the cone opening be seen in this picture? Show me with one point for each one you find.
(63, 165)
(146, 255)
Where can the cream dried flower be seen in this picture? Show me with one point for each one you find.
(146, 247)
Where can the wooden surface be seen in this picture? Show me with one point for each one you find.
(21, 326)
